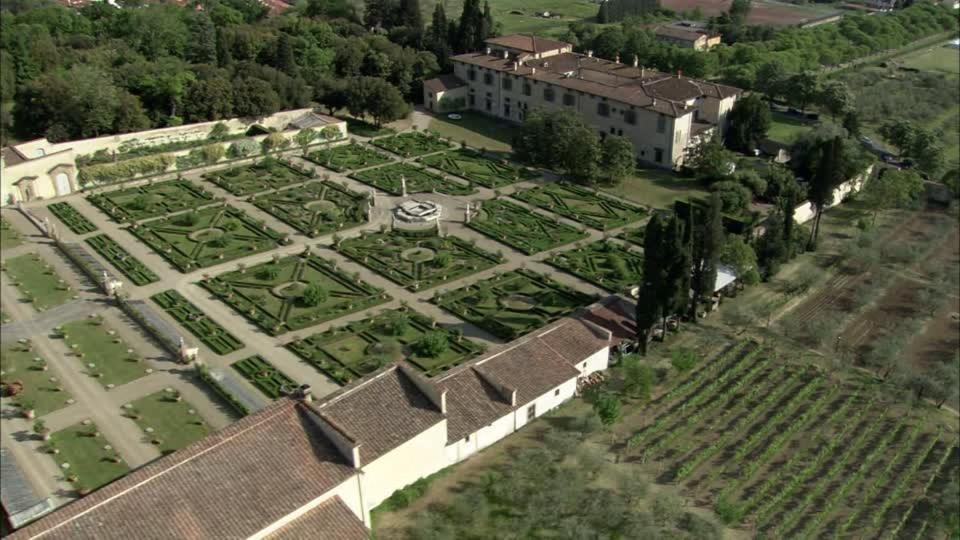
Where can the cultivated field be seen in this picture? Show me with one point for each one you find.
(765, 12)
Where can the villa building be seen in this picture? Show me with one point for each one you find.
(305, 468)
(661, 114)
(687, 34)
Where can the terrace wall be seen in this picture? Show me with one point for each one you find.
(806, 211)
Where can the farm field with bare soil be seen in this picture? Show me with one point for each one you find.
(763, 12)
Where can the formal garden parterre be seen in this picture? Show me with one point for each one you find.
(168, 421)
(348, 352)
(122, 260)
(214, 336)
(347, 157)
(29, 381)
(72, 218)
(635, 236)
(316, 208)
(205, 237)
(512, 304)
(582, 204)
(262, 374)
(606, 264)
(85, 457)
(479, 169)
(390, 178)
(293, 292)
(102, 352)
(266, 174)
(412, 144)
(417, 260)
(521, 228)
(151, 200)
(37, 281)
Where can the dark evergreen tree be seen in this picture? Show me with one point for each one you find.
(284, 60)
(674, 294)
(203, 40)
(648, 311)
(826, 178)
(706, 253)
(411, 17)
(487, 24)
(438, 37)
(789, 204)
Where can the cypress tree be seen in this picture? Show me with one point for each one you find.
(468, 32)
(648, 310)
(675, 293)
(826, 178)
(789, 205)
(707, 254)
(438, 35)
(487, 26)
(411, 17)
(203, 40)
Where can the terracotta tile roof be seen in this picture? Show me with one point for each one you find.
(472, 403)
(640, 87)
(231, 484)
(381, 412)
(330, 520)
(616, 314)
(527, 43)
(443, 83)
(531, 368)
(574, 339)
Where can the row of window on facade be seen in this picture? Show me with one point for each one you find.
(569, 99)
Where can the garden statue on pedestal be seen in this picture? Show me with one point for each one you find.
(187, 354)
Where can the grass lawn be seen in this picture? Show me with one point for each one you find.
(938, 58)
(415, 261)
(419, 180)
(171, 421)
(273, 295)
(412, 144)
(268, 173)
(72, 218)
(120, 258)
(784, 128)
(521, 16)
(113, 361)
(348, 157)
(316, 208)
(658, 189)
(949, 124)
(581, 204)
(513, 304)
(476, 130)
(196, 321)
(9, 237)
(206, 237)
(478, 168)
(151, 200)
(262, 374)
(361, 347)
(522, 229)
(605, 264)
(84, 450)
(20, 363)
(365, 129)
(37, 281)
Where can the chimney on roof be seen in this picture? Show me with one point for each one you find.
(679, 73)
(616, 59)
(636, 60)
(590, 54)
(641, 72)
(533, 71)
(302, 393)
(488, 50)
(654, 102)
(506, 55)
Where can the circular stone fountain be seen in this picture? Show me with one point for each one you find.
(418, 255)
(417, 215)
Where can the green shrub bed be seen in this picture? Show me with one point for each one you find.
(72, 218)
(415, 261)
(634, 236)
(190, 317)
(268, 173)
(512, 304)
(316, 208)
(412, 144)
(605, 264)
(477, 168)
(121, 259)
(206, 237)
(151, 200)
(347, 157)
(419, 180)
(294, 292)
(128, 169)
(522, 228)
(264, 376)
(581, 204)
(361, 347)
